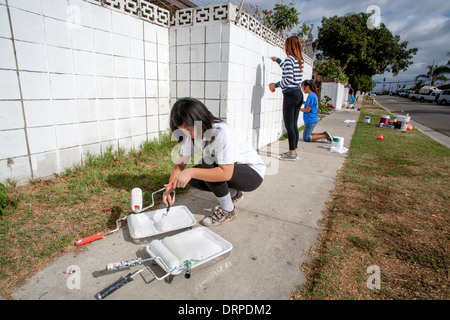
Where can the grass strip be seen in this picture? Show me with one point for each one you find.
(388, 212)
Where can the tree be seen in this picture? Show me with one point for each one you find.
(305, 32)
(362, 52)
(435, 73)
(282, 18)
(330, 69)
(364, 83)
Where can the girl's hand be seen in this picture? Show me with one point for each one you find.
(272, 87)
(167, 199)
(274, 59)
(182, 179)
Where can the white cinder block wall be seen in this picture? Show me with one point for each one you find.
(79, 76)
(87, 78)
(336, 91)
(227, 66)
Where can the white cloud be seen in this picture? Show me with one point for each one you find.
(424, 24)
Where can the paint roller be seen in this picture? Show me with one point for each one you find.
(137, 202)
(136, 207)
(126, 264)
(166, 255)
(167, 250)
(173, 255)
(118, 284)
(160, 250)
(183, 257)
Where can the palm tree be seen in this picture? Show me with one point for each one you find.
(435, 73)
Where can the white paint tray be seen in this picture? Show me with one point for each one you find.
(200, 244)
(148, 224)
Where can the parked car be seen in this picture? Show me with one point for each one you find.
(406, 93)
(425, 94)
(444, 97)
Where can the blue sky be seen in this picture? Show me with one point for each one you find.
(424, 24)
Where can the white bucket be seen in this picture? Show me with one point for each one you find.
(337, 143)
(366, 119)
(403, 118)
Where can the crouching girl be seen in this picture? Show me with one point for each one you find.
(228, 167)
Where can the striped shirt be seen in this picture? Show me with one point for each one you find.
(292, 76)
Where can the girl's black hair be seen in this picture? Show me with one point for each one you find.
(189, 110)
(311, 84)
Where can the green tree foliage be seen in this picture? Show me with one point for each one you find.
(330, 69)
(282, 18)
(305, 32)
(362, 52)
(363, 82)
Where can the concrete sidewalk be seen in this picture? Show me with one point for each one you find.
(275, 227)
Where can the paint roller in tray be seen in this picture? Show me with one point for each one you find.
(174, 256)
(167, 251)
(171, 254)
(136, 207)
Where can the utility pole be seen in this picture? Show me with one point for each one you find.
(431, 73)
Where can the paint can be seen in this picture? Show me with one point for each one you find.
(384, 120)
(366, 119)
(402, 121)
(270, 88)
(337, 143)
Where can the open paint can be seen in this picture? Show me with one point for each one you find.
(337, 143)
(384, 119)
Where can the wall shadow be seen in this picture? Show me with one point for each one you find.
(256, 101)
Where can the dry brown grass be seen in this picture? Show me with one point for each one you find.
(389, 208)
(52, 214)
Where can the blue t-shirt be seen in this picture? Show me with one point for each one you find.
(311, 116)
(351, 100)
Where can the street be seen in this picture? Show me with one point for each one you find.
(431, 115)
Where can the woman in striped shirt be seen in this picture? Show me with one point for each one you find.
(291, 80)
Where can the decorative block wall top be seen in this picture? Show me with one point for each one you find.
(228, 12)
(211, 13)
(142, 9)
(147, 11)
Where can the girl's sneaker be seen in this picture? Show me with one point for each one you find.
(238, 197)
(218, 216)
(329, 138)
(288, 156)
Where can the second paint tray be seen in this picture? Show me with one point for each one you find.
(148, 224)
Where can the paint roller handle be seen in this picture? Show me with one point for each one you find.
(116, 285)
(171, 197)
(89, 239)
(169, 187)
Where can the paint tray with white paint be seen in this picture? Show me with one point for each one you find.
(144, 225)
(187, 250)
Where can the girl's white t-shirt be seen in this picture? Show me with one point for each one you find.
(225, 147)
